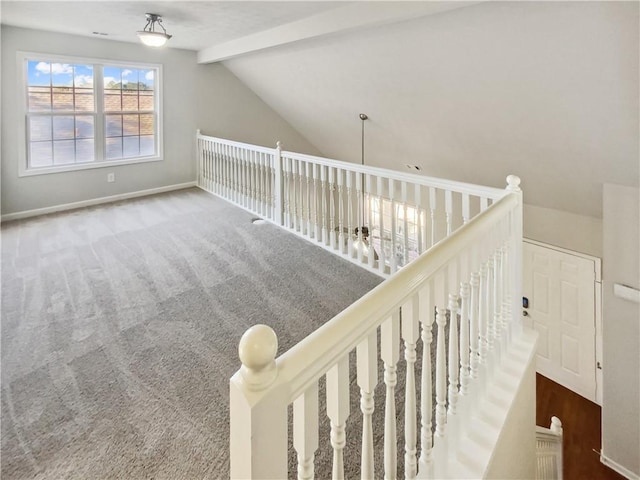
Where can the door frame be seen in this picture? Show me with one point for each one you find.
(597, 290)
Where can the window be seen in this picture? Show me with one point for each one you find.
(85, 113)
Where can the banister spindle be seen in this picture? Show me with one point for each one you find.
(294, 194)
(454, 363)
(382, 258)
(316, 214)
(367, 375)
(340, 174)
(448, 208)
(369, 219)
(390, 353)
(465, 208)
(420, 235)
(307, 213)
(464, 337)
(491, 328)
(338, 412)
(441, 373)
(305, 430)
(427, 317)
(393, 259)
(332, 208)
(433, 207)
(350, 221)
(482, 315)
(410, 334)
(405, 225)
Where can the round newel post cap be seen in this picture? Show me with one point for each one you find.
(279, 145)
(257, 351)
(513, 183)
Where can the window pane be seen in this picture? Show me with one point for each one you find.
(84, 100)
(40, 154)
(146, 100)
(130, 125)
(112, 78)
(84, 126)
(83, 76)
(38, 73)
(63, 128)
(114, 125)
(112, 101)
(62, 99)
(85, 150)
(147, 124)
(147, 78)
(64, 152)
(114, 148)
(39, 128)
(61, 75)
(130, 100)
(147, 145)
(129, 79)
(131, 146)
(39, 99)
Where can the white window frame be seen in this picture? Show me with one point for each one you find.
(98, 113)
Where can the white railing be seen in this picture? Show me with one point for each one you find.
(329, 201)
(549, 451)
(457, 301)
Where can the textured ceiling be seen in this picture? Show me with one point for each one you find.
(194, 25)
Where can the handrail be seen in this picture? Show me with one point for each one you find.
(462, 187)
(424, 180)
(310, 358)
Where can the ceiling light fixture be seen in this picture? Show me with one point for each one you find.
(149, 36)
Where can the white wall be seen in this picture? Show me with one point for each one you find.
(514, 456)
(580, 233)
(204, 96)
(621, 328)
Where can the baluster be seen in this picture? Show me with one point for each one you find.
(305, 430)
(465, 208)
(394, 227)
(349, 214)
(270, 184)
(301, 195)
(261, 183)
(491, 327)
(286, 165)
(410, 335)
(294, 197)
(219, 168)
(338, 411)
(482, 315)
(324, 213)
(497, 300)
(340, 174)
(426, 404)
(506, 292)
(234, 170)
(419, 223)
(381, 254)
(432, 207)
(464, 338)
(361, 220)
(454, 362)
(484, 203)
(405, 225)
(316, 216)
(369, 221)
(332, 209)
(307, 170)
(448, 207)
(441, 374)
(367, 372)
(390, 353)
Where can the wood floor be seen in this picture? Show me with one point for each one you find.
(581, 424)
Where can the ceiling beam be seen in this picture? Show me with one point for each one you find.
(351, 17)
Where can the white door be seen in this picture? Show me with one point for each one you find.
(561, 291)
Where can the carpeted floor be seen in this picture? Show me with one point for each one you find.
(120, 326)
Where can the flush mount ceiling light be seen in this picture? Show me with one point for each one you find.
(149, 36)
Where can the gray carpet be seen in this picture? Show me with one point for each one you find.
(120, 326)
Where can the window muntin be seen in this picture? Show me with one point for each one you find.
(88, 114)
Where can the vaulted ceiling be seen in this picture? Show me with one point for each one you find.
(467, 90)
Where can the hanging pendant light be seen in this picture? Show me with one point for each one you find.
(361, 241)
(148, 34)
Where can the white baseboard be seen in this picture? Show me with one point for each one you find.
(94, 201)
(625, 472)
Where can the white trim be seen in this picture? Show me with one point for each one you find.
(94, 201)
(597, 260)
(625, 472)
(86, 166)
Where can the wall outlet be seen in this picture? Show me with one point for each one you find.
(111, 177)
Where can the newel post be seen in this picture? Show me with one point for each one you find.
(258, 410)
(278, 186)
(513, 186)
